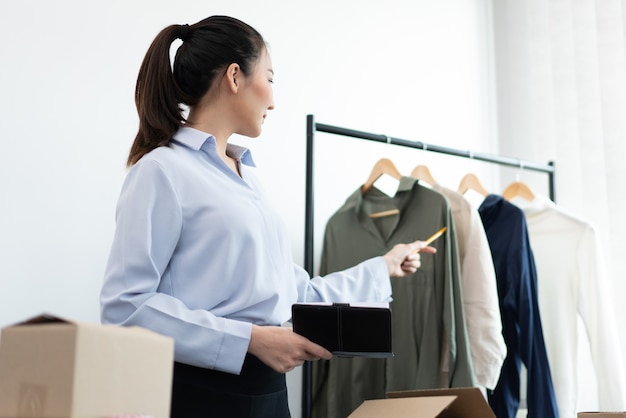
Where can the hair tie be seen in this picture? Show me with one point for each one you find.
(184, 32)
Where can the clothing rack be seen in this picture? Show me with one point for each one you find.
(312, 127)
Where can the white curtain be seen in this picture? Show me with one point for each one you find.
(561, 92)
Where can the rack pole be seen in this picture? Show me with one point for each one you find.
(552, 182)
(308, 255)
(499, 159)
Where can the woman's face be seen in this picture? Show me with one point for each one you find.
(257, 97)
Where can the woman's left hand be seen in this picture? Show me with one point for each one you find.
(404, 259)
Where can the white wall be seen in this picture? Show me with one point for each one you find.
(414, 69)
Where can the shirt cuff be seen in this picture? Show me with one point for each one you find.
(379, 270)
(234, 347)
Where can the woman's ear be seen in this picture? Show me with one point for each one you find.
(233, 77)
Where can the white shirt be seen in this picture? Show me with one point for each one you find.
(572, 283)
(199, 255)
(479, 289)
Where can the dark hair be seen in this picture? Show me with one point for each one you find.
(208, 48)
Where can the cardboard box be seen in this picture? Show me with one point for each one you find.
(403, 407)
(602, 415)
(53, 367)
(435, 403)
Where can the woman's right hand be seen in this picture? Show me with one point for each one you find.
(404, 259)
(282, 349)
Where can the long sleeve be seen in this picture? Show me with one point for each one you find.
(540, 389)
(574, 289)
(599, 319)
(479, 290)
(516, 275)
(367, 281)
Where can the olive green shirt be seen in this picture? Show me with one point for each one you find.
(429, 337)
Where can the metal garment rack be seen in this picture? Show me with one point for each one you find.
(312, 127)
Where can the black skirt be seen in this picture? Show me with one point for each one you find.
(258, 392)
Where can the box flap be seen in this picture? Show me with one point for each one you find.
(469, 403)
(413, 407)
(43, 318)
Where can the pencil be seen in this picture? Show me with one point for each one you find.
(434, 236)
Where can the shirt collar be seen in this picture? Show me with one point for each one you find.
(538, 205)
(406, 184)
(356, 198)
(195, 139)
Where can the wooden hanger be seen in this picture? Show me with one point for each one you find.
(470, 181)
(421, 172)
(382, 166)
(518, 189)
(384, 213)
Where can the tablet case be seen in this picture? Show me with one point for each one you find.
(345, 330)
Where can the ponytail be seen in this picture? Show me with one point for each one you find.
(157, 96)
(208, 47)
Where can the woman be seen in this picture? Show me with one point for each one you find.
(198, 254)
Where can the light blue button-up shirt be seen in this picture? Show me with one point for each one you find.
(200, 256)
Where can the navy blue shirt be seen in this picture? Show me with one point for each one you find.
(514, 263)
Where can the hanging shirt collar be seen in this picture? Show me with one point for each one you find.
(356, 199)
(406, 184)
